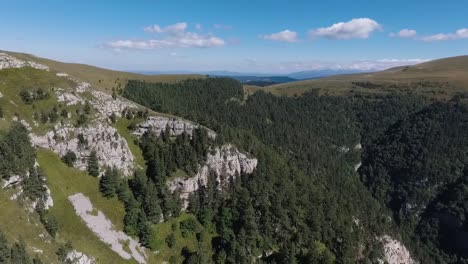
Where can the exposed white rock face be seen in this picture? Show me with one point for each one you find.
(7, 61)
(76, 257)
(395, 252)
(177, 126)
(1, 95)
(26, 124)
(82, 86)
(357, 166)
(36, 250)
(68, 98)
(13, 180)
(62, 74)
(105, 230)
(105, 104)
(48, 201)
(225, 162)
(111, 148)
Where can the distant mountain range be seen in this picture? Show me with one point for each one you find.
(261, 79)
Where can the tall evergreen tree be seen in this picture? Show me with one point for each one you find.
(151, 204)
(93, 165)
(145, 232)
(4, 249)
(19, 254)
(109, 182)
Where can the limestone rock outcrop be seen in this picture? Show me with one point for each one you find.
(111, 148)
(105, 104)
(395, 252)
(7, 61)
(225, 161)
(177, 126)
(76, 257)
(124, 245)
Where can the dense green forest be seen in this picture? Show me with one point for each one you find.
(417, 168)
(304, 194)
(302, 201)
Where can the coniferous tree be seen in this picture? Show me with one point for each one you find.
(151, 204)
(4, 249)
(131, 218)
(37, 260)
(1, 111)
(19, 254)
(109, 182)
(145, 232)
(69, 158)
(34, 185)
(93, 165)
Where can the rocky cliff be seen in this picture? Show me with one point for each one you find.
(177, 126)
(111, 148)
(395, 252)
(225, 161)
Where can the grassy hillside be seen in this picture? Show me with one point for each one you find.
(99, 77)
(63, 182)
(438, 79)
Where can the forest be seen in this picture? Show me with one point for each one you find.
(299, 205)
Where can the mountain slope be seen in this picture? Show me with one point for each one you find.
(98, 77)
(440, 79)
(69, 121)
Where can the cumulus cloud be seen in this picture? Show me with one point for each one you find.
(198, 26)
(459, 34)
(404, 33)
(382, 64)
(172, 29)
(172, 36)
(287, 67)
(285, 36)
(360, 28)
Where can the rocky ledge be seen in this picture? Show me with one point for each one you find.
(7, 61)
(110, 147)
(226, 162)
(177, 126)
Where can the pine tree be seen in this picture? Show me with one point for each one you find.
(131, 217)
(145, 232)
(93, 165)
(151, 204)
(1, 111)
(37, 260)
(34, 185)
(109, 182)
(69, 158)
(4, 249)
(19, 254)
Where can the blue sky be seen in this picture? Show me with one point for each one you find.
(245, 36)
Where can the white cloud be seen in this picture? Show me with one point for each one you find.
(459, 34)
(198, 26)
(285, 36)
(377, 65)
(356, 28)
(171, 29)
(172, 36)
(287, 67)
(404, 33)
